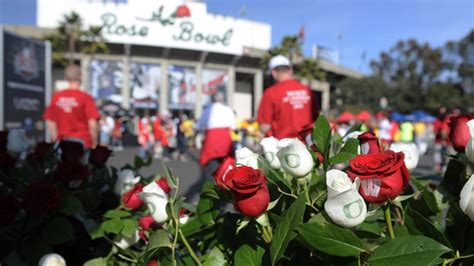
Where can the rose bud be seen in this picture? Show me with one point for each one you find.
(124, 242)
(41, 197)
(125, 181)
(306, 136)
(270, 150)
(344, 205)
(459, 133)
(153, 263)
(156, 199)
(411, 152)
(131, 199)
(249, 187)
(245, 156)
(71, 151)
(383, 175)
(470, 144)
(99, 156)
(295, 159)
(163, 183)
(467, 198)
(52, 259)
(147, 223)
(18, 142)
(221, 173)
(9, 207)
(369, 143)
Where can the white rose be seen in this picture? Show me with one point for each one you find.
(467, 198)
(125, 181)
(411, 151)
(156, 199)
(270, 149)
(246, 157)
(124, 242)
(344, 205)
(295, 158)
(52, 259)
(470, 143)
(18, 142)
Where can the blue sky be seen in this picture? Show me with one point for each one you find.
(369, 26)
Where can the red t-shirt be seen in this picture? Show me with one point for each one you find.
(287, 106)
(71, 110)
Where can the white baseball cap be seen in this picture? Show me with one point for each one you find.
(277, 61)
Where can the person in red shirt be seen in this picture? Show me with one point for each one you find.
(441, 131)
(72, 113)
(287, 106)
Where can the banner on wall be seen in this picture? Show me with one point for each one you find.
(182, 88)
(214, 80)
(25, 66)
(106, 80)
(145, 82)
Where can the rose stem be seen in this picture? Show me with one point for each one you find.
(190, 249)
(388, 219)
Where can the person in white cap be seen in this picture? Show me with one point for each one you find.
(287, 106)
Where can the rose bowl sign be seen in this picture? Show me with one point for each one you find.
(161, 23)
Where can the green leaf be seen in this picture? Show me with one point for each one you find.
(113, 226)
(407, 250)
(215, 258)
(96, 262)
(241, 224)
(263, 220)
(272, 204)
(70, 205)
(138, 163)
(331, 239)
(129, 227)
(418, 223)
(321, 133)
(348, 151)
(117, 214)
(159, 239)
(169, 176)
(284, 229)
(248, 256)
(273, 176)
(57, 231)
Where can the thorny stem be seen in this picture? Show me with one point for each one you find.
(295, 197)
(190, 249)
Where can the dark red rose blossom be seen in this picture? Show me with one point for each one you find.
(41, 197)
(183, 11)
(42, 149)
(71, 151)
(147, 223)
(6, 160)
(131, 199)
(306, 136)
(369, 143)
(9, 207)
(459, 133)
(3, 140)
(222, 171)
(249, 187)
(163, 184)
(383, 175)
(71, 171)
(99, 156)
(153, 263)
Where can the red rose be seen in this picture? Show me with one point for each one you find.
(147, 223)
(99, 155)
(250, 190)
(183, 11)
(3, 140)
(163, 183)
(306, 136)
(131, 199)
(9, 206)
(153, 263)
(369, 143)
(6, 160)
(41, 197)
(459, 133)
(383, 175)
(71, 171)
(71, 151)
(222, 171)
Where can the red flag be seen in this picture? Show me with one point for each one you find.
(301, 33)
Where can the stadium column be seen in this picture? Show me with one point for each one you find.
(257, 90)
(231, 87)
(164, 87)
(198, 104)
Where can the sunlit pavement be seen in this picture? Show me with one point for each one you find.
(189, 171)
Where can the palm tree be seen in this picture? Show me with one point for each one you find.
(70, 28)
(92, 41)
